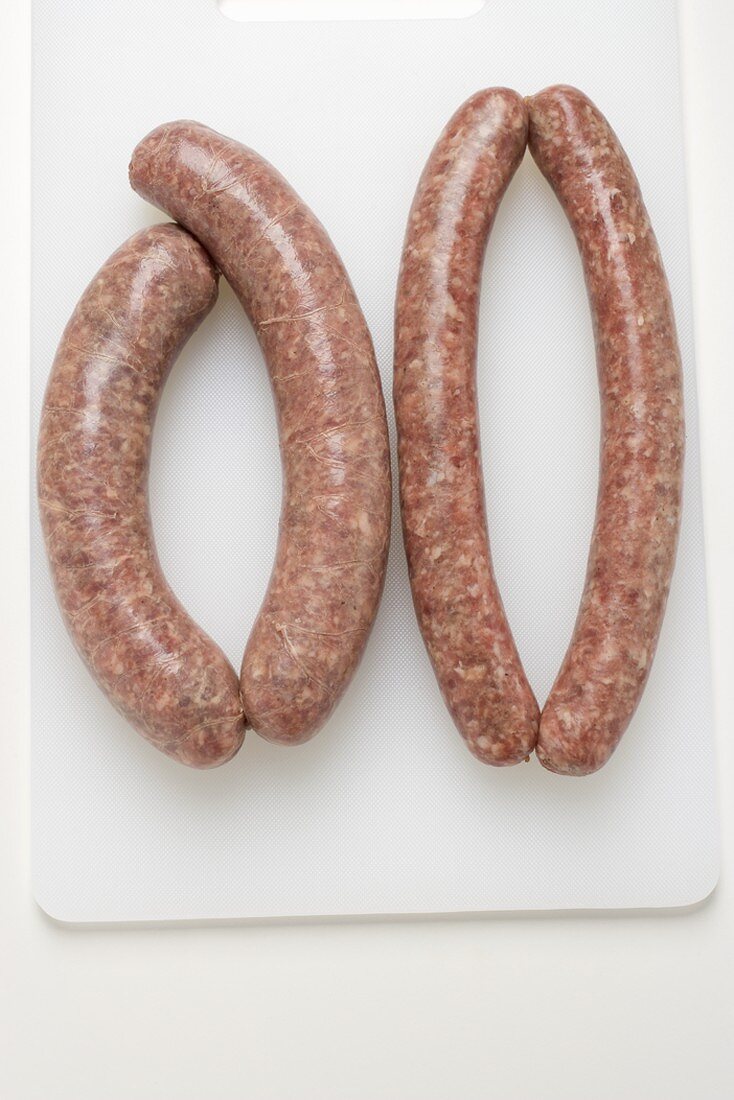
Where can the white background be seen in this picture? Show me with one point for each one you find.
(560, 1006)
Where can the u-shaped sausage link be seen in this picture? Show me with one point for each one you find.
(335, 520)
(153, 662)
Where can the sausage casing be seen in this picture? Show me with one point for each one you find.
(335, 519)
(641, 470)
(153, 662)
(457, 602)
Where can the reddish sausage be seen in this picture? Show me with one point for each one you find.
(157, 667)
(638, 512)
(335, 519)
(441, 490)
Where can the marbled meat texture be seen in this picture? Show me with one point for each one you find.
(153, 662)
(335, 519)
(639, 506)
(457, 602)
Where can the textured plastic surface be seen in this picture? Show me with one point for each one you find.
(386, 811)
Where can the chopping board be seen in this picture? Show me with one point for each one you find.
(385, 812)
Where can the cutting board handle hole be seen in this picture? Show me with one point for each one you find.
(304, 11)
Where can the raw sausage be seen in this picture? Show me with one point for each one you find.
(153, 662)
(638, 512)
(335, 519)
(457, 602)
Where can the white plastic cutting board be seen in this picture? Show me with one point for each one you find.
(386, 811)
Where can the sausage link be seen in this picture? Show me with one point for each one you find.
(457, 602)
(335, 520)
(638, 511)
(151, 660)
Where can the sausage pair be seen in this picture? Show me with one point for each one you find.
(442, 501)
(157, 667)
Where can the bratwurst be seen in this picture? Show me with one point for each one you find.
(455, 594)
(641, 474)
(153, 662)
(335, 518)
